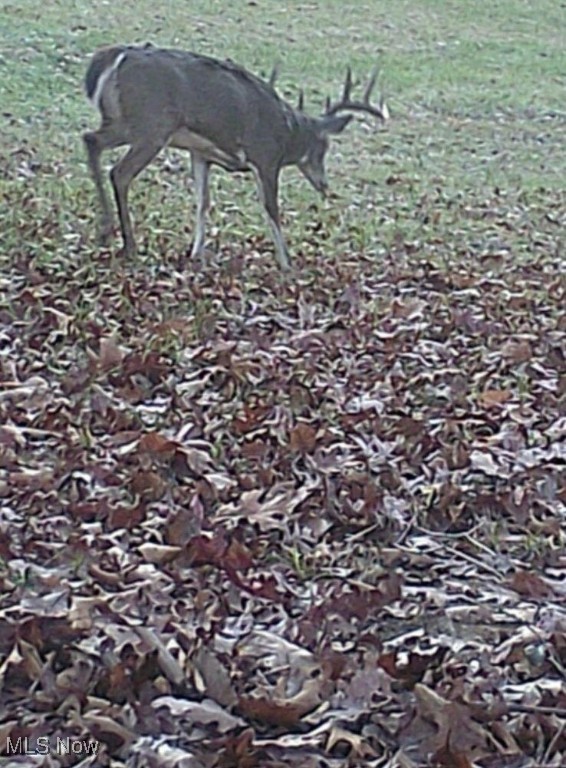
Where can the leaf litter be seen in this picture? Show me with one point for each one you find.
(250, 523)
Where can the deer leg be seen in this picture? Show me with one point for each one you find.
(96, 142)
(134, 161)
(200, 176)
(268, 188)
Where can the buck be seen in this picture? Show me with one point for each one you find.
(150, 98)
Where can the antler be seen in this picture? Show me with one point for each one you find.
(273, 76)
(364, 105)
(271, 82)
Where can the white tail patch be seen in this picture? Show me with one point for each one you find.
(103, 79)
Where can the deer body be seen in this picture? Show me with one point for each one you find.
(150, 98)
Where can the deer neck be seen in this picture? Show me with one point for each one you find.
(301, 132)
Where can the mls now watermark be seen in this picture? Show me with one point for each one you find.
(46, 745)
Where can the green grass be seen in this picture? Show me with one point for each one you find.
(475, 90)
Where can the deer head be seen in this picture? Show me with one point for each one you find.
(331, 123)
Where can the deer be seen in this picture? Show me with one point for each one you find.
(150, 98)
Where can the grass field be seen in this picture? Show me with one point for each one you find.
(475, 92)
(250, 520)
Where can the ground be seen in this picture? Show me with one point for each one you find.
(255, 520)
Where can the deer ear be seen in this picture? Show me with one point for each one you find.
(334, 123)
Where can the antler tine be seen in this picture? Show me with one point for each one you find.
(370, 86)
(347, 85)
(274, 75)
(346, 103)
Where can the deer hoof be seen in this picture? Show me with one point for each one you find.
(126, 252)
(105, 233)
(285, 266)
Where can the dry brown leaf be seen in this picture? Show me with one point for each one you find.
(530, 584)
(491, 398)
(110, 353)
(303, 438)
